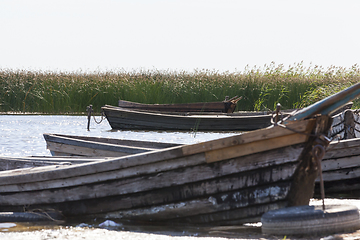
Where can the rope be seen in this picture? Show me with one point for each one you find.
(318, 152)
(45, 214)
(102, 118)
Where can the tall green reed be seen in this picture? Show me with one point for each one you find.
(261, 87)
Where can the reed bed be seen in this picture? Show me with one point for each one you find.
(261, 88)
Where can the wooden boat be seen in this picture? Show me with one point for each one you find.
(67, 145)
(341, 164)
(224, 181)
(341, 169)
(226, 106)
(346, 125)
(126, 119)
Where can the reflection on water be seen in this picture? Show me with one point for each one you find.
(27, 226)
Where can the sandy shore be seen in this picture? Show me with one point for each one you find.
(85, 232)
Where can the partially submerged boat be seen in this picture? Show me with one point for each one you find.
(225, 181)
(68, 145)
(226, 106)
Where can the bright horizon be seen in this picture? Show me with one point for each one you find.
(224, 35)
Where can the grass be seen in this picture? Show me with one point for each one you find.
(262, 88)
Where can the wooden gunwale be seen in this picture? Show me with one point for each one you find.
(60, 138)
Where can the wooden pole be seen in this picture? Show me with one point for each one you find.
(349, 124)
(89, 110)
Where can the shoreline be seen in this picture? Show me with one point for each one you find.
(85, 231)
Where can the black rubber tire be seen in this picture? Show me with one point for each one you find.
(311, 220)
(29, 216)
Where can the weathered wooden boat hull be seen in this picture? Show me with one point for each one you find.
(341, 169)
(67, 145)
(226, 106)
(124, 119)
(224, 181)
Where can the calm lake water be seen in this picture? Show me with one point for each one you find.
(22, 135)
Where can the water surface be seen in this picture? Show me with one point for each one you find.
(22, 135)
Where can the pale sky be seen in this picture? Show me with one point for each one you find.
(223, 35)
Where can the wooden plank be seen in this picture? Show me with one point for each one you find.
(52, 159)
(341, 174)
(239, 197)
(343, 148)
(57, 176)
(340, 163)
(211, 204)
(193, 190)
(253, 136)
(177, 107)
(72, 150)
(59, 138)
(347, 143)
(254, 147)
(14, 163)
(100, 146)
(49, 173)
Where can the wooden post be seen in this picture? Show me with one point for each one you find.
(302, 187)
(349, 124)
(89, 110)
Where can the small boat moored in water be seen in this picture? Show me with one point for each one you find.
(68, 145)
(126, 119)
(226, 106)
(224, 181)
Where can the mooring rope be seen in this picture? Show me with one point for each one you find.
(90, 111)
(102, 118)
